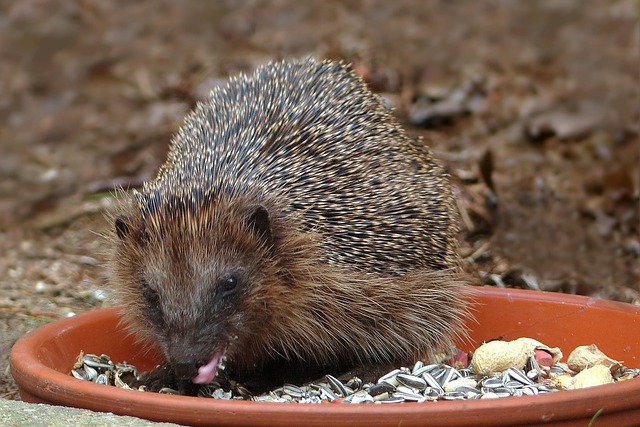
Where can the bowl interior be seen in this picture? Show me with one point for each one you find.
(558, 320)
(97, 334)
(42, 360)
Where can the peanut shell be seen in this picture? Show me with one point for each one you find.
(589, 377)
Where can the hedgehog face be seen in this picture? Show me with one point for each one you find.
(197, 317)
(195, 292)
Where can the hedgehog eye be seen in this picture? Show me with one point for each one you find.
(122, 227)
(150, 294)
(152, 299)
(228, 285)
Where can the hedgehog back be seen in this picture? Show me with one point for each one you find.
(311, 133)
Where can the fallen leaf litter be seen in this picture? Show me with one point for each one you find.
(522, 367)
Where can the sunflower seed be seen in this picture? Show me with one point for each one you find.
(359, 397)
(381, 396)
(448, 375)
(97, 362)
(266, 398)
(460, 383)
(354, 383)
(79, 373)
(492, 382)
(408, 396)
(489, 395)
(411, 381)
(454, 395)
(512, 384)
(91, 374)
(405, 389)
(337, 386)
(102, 379)
(292, 390)
(422, 370)
(327, 393)
(390, 377)
(380, 388)
(432, 382)
(392, 399)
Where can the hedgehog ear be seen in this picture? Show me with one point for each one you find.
(260, 223)
(122, 226)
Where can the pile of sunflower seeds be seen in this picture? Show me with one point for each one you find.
(101, 370)
(421, 383)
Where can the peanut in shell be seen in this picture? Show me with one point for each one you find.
(586, 356)
(589, 377)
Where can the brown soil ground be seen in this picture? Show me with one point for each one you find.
(533, 105)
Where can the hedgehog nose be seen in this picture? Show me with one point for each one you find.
(186, 369)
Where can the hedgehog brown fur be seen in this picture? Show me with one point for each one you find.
(293, 222)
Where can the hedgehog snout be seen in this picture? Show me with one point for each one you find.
(187, 368)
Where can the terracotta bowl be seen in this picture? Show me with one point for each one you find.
(41, 362)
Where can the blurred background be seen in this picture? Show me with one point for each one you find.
(532, 106)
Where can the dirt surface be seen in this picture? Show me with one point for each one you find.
(532, 105)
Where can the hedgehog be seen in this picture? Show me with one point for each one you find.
(294, 227)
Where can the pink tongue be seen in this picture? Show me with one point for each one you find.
(206, 373)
